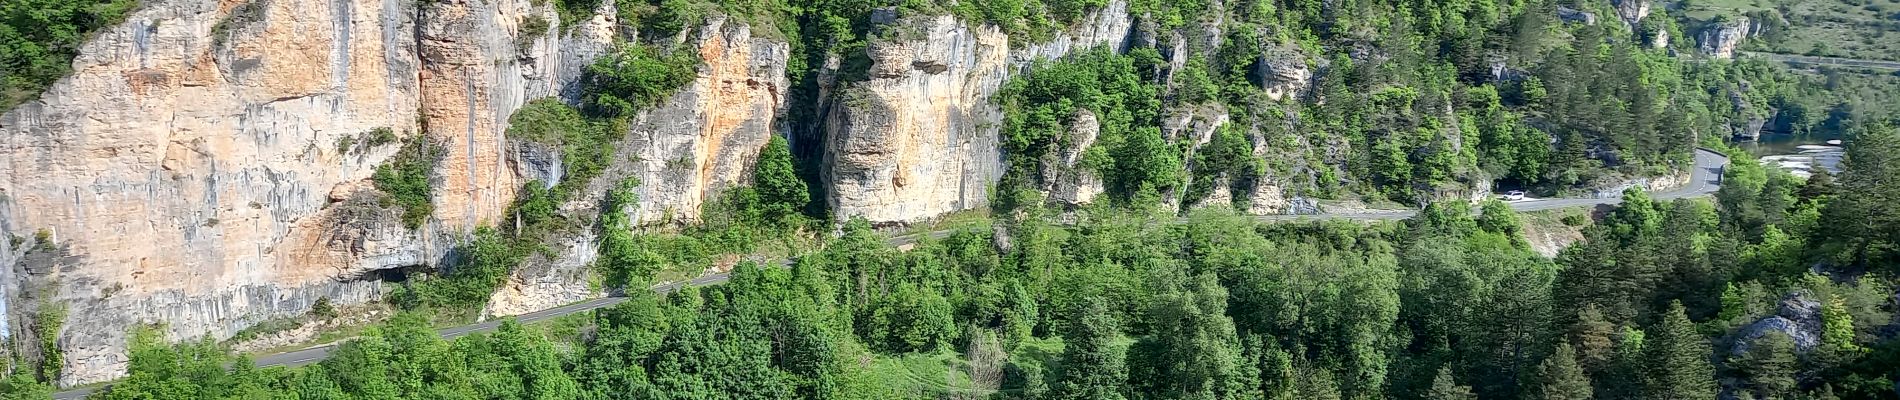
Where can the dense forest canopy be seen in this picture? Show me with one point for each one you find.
(1776, 287)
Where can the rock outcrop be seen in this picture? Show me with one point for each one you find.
(1720, 38)
(704, 139)
(1631, 12)
(684, 151)
(1798, 316)
(188, 171)
(1575, 16)
(1284, 73)
(919, 137)
(1065, 179)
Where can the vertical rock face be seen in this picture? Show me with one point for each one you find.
(188, 172)
(704, 139)
(695, 144)
(910, 143)
(1720, 39)
(1631, 11)
(919, 138)
(1284, 73)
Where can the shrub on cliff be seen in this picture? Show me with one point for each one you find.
(39, 38)
(636, 76)
(586, 143)
(482, 265)
(406, 178)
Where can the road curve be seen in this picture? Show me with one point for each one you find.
(1704, 179)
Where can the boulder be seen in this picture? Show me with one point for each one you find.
(1575, 16)
(1283, 73)
(1798, 316)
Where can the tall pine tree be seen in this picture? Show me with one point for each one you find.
(1676, 359)
(1560, 378)
(1092, 365)
(1444, 388)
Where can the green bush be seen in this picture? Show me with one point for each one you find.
(534, 25)
(546, 120)
(534, 208)
(47, 322)
(781, 193)
(625, 259)
(344, 144)
(586, 144)
(481, 267)
(379, 137)
(406, 178)
(636, 76)
(39, 38)
(250, 11)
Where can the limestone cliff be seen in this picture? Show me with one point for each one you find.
(1720, 38)
(189, 173)
(704, 139)
(918, 138)
(1631, 12)
(685, 151)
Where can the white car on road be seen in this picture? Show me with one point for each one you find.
(1514, 195)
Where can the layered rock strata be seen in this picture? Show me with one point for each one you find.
(919, 137)
(684, 152)
(191, 173)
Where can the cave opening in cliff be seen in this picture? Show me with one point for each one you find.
(396, 275)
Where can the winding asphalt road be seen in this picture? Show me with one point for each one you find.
(1705, 179)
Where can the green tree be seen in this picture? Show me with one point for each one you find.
(1192, 351)
(20, 385)
(1770, 366)
(635, 76)
(1093, 366)
(782, 193)
(1866, 216)
(40, 38)
(1837, 327)
(1561, 378)
(1676, 364)
(1594, 338)
(1443, 388)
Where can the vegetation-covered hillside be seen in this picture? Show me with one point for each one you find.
(1778, 287)
(1764, 292)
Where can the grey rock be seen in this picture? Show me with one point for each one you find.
(1720, 39)
(1798, 316)
(1631, 12)
(1066, 180)
(1283, 73)
(1575, 16)
(919, 138)
(537, 162)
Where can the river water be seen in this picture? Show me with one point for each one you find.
(1798, 154)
